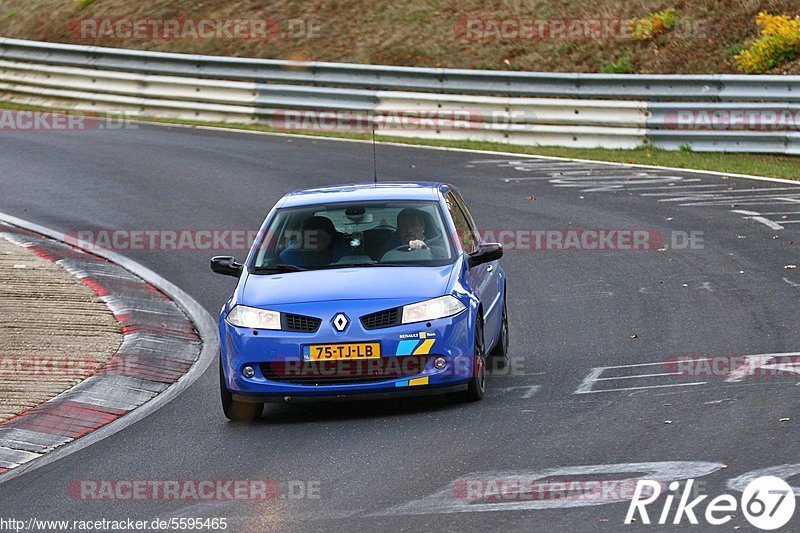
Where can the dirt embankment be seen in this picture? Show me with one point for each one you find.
(538, 35)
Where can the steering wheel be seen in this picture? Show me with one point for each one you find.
(431, 242)
(405, 248)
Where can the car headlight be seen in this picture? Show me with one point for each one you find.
(441, 307)
(242, 316)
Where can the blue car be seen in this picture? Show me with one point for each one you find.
(362, 291)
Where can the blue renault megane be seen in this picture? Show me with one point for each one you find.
(362, 291)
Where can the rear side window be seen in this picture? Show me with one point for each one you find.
(466, 231)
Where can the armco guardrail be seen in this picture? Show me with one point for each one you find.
(706, 113)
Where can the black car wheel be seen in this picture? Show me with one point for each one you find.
(499, 354)
(477, 385)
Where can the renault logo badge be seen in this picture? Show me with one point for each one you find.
(340, 322)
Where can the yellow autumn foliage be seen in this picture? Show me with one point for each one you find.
(779, 42)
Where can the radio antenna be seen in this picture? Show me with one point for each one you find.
(374, 157)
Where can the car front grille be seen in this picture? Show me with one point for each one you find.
(382, 319)
(345, 372)
(305, 324)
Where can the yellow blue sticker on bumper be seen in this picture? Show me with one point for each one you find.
(412, 382)
(415, 347)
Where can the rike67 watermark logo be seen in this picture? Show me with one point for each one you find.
(767, 502)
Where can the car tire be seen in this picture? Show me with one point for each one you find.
(499, 354)
(477, 385)
(237, 411)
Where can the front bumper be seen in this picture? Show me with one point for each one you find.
(363, 395)
(450, 338)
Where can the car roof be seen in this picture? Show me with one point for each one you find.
(357, 192)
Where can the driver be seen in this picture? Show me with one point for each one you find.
(410, 231)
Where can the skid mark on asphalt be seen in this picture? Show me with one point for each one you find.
(526, 391)
(512, 383)
(792, 283)
(583, 291)
(580, 297)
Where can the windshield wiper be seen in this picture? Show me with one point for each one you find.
(376, 264)
(281, 267)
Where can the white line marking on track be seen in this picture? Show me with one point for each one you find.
(586, 384)
(757, 363)
(535, 489)
(784, 472)
(637, 376)
(684, 193)
(594, 377)
(645, 387)
(671, 392)
(755, 215)
(532, 178)
(714, 402)
(727, 190)
(577, 181)
(725, 198)
(758, 200)
(675, 187)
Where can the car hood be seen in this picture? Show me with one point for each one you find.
(361, 283)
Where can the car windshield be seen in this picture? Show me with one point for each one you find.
(364, 234)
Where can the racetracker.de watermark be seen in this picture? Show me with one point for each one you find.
(732, 119)
(568, 29)
(164, 240)
(515, 489)
(58, 366)
(193, 489)
(23, 120)
(176, 29)
(384, 120)
(578, 239)
(734, 366)
(521, 239)
(49, 365)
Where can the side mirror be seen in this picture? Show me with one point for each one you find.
(490, 251)
(226, 265)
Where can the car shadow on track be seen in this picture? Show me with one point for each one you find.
(350, 410)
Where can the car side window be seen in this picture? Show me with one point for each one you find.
(463, 205)
(466, 231)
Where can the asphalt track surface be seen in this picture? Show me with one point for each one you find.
(570, 312)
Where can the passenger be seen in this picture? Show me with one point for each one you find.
(318, 244)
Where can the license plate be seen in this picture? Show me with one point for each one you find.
(333, 352)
